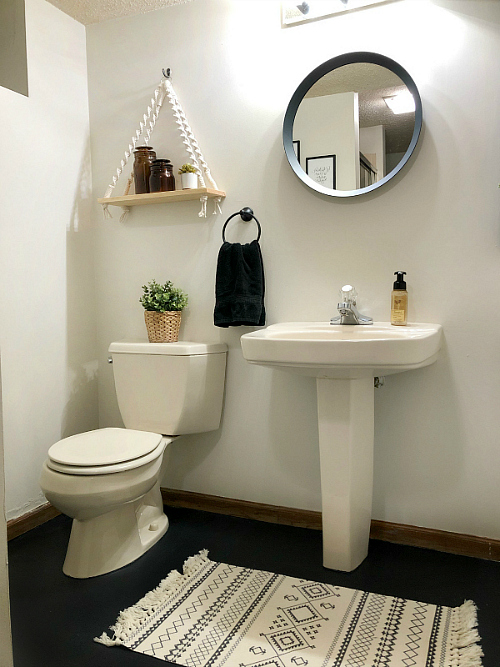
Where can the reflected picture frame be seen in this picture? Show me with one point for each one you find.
(296, 148)
(322, 170)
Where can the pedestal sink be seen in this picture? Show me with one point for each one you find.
(344, 359)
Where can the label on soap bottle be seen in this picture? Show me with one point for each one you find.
(397, 315)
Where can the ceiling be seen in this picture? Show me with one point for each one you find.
(95, 11)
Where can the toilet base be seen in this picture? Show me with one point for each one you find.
(115, 539)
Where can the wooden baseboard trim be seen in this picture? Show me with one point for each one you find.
(397, 533)
(244, 509)
(439, 540)
(36, 517)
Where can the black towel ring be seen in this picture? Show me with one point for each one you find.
(246, 215)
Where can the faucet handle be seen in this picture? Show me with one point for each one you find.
(348, 294)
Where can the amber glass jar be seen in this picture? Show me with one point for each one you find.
(162, 177)
(144, 156)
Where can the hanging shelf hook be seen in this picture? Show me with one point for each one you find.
(166, 73)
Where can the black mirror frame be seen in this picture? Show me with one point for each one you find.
(315, 75)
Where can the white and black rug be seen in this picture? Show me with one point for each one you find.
(216, 614)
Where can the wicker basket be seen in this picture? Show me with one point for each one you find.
(163, 327)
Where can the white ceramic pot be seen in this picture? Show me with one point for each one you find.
(189, 181)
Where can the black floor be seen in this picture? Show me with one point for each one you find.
(54, 618)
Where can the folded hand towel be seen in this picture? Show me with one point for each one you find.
(239, 286)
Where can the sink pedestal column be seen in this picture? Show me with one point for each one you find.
(345, 422)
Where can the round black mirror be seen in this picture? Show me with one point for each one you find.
(352, 124)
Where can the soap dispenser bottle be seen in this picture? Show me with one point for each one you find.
(399, 300)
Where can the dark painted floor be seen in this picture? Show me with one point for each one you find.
(54, 618)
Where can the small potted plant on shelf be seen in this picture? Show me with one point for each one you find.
(189, 177)
(163, 305)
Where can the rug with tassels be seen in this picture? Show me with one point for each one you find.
(216, 614)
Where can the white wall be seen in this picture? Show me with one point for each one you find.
(235, 69)
(372, 142)
(47, 330)
(5, 634)
(329, 125)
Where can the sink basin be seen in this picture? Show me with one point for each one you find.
(320, 349)
(344, 359)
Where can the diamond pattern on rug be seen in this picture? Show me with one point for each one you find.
(217, 615)
(415, 634)
(361, 644)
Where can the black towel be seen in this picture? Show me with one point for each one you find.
(239, 286)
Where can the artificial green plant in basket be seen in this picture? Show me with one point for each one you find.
(163, 306)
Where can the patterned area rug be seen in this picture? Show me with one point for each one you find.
(216, 614)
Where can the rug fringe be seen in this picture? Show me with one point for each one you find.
(133, 618)
(466, 651)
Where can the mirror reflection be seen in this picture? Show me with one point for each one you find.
(354, 127)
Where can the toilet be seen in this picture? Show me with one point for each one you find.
(108, 480)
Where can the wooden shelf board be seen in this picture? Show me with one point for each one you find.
(161, 197)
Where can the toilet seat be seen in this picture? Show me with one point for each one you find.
(105, 451)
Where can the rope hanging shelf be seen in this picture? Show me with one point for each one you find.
(145, 129)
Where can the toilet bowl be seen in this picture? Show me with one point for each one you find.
(108, 480)
(116, 507)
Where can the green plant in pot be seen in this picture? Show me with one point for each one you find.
(189, 176)
(163, 306)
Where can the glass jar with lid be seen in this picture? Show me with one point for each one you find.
(144, 156)
(162, 177)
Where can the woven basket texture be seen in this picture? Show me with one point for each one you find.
(163, 327)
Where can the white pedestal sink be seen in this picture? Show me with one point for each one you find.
(344, 359)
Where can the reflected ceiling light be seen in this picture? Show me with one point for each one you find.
(401, 103)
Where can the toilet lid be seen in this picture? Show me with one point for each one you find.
(104, 446)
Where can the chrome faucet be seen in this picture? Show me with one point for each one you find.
(348, 313)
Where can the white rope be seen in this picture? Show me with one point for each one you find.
(125, 212)
(183, 129)
(193, 149)
(189, 139)
(146, 126)
(129, 184)
(217, 208)
(203, 212)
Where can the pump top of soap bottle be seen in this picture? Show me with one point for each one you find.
(400, 284)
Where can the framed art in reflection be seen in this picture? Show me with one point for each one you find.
(322, 170)
(296, 148)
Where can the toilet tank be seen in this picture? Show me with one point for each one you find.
(169, 388)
